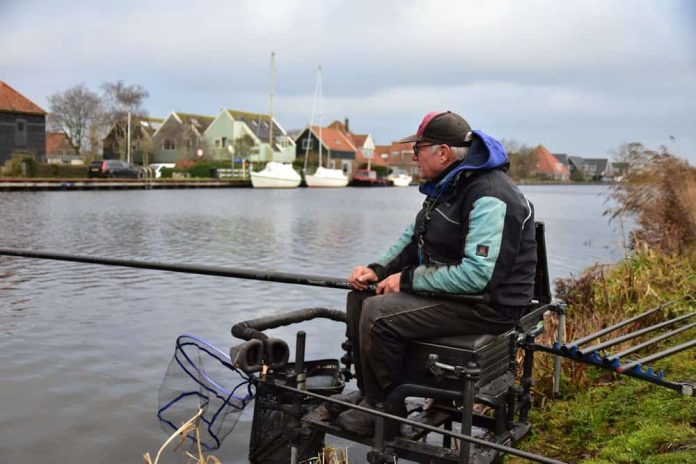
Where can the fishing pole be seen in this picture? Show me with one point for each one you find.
(220, 271)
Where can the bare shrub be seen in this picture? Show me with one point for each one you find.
(659, 190)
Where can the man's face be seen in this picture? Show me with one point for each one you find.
(427, 155)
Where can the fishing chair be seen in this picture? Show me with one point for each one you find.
(458, 372)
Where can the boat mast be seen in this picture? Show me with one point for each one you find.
(270, 118)
(320, 108)
(310, 132)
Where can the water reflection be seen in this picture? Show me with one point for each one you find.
(83, 348)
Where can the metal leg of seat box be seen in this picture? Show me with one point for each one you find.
(471, 375)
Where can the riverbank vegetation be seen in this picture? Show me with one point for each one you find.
(607, 418)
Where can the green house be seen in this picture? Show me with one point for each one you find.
(180, 137)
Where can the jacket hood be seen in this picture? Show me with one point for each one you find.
(485, 153)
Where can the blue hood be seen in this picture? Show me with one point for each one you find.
(485, 152)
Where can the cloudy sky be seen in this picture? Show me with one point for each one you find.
(581, 77)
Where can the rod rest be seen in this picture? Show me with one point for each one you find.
(260, 349)
(247, 330)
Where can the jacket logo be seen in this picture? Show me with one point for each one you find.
(482, 250)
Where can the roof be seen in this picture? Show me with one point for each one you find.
(358, 139)
(55, 141)
(198, 121)
(334, 139)
(12, 101)
(548, 164)
(599, 163)
(259, 124)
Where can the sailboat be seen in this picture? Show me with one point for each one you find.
(322, 177)
(275, 174)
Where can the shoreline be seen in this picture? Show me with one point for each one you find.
(69, 184)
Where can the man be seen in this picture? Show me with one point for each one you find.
(473, 235)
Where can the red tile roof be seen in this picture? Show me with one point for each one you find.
(334, 139)
(12, 101)
(549, 164)
(55, 141)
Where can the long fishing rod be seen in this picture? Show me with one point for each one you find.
(219, 271)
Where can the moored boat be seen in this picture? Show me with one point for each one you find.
(276, 175)
(324, 177)
(400, 180)
(365, 178)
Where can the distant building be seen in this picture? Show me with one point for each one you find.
(180, 137)
(548, 166)
(142, 140)
(336, 148)
(364, 146)
(597, 169)
(60, 151)
(400, 158)
(22, 125)
(254, 136)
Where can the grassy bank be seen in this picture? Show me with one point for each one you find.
(603, 417)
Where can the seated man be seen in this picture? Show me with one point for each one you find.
(474, 235)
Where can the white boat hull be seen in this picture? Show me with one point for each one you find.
(402, 180)
(276, 175)
(326, 178)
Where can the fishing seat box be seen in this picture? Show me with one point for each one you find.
(494, 355)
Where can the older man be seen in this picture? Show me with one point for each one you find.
(473, 235)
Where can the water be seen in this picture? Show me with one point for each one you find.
(83, 348)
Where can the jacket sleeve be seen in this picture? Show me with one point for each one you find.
(481, 254)
(401, 254)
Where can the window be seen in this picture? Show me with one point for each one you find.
(307, 144)
(217, 143)
(224, 142)
(188, 144)
(168, 144)
(21, 132)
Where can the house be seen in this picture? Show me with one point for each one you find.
(180, 137)
(548, 167)
(243, 135)
(60, 151)
(400, 158)
(364, 144)
(575, 165)
(336, 148)
(142, 140)
(597, 169)
(22, 125)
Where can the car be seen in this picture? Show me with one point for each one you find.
(157, 168)
(112, 168)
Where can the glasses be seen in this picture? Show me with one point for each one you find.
(417, 148)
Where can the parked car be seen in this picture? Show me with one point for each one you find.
(112, 168)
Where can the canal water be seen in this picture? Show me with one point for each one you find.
(83, 348)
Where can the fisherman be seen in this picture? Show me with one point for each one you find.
(474, 235)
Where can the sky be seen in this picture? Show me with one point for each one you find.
(580, 77)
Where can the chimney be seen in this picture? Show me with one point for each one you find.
(346, 121)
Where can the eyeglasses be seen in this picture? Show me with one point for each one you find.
(418, 148)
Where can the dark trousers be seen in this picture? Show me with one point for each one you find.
(380, 326)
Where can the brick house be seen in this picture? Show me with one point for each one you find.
(22, 125)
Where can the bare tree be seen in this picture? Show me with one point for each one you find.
(73, 112)
(118, 100)
(522, 159)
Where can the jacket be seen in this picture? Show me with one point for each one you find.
(474, 234)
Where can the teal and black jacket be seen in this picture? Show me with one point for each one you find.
(475, 233)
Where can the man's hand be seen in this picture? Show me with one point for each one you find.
(390, 284)
(361, 277)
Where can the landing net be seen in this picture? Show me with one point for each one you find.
(200, 376)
